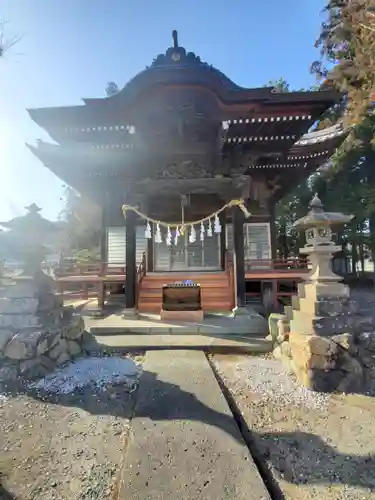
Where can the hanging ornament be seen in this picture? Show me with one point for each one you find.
(209, 229)
(202, 232)
(148, 234)
(192, 235)
(176, 236)
(217, 225)
(168, 239)
(158, 234)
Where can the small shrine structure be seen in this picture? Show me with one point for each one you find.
(197, 164)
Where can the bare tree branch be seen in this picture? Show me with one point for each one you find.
(6, 43)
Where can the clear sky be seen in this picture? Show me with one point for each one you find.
(70, 49)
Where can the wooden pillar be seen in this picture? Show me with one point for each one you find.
(239, 255)
(103, 236)
(223, 223)
(271, 208)
(131, 265)
(150, 255)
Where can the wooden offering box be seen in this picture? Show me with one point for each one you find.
(182, 302)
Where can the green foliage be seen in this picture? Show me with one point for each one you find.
(85, 256)
(347, 185)
(347, 50)
(81, 224)
(279, 85)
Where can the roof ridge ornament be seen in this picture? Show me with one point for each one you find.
(175, 39)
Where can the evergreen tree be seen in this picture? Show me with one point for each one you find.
(81, 226)
(347, 48)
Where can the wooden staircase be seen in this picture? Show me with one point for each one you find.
(215, 288)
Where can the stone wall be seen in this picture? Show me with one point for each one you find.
(36, 332)
(344, 362)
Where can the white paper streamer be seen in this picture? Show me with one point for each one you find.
(217, 225)
(158, 234)
(202, 232)
(148, 233)
(209, 229)
(168, 239)
(176, 236)
(192, 235)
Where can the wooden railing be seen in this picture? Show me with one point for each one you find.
(141, 273)
(67, 268)
(290, 264)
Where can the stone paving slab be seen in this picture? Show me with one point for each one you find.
(212, 325)
(124, 343)
(184, 442)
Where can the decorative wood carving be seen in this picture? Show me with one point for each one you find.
(176, 123)
(183, 170)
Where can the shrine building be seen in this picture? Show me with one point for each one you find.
(180, 144)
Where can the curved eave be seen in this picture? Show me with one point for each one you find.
(60, 117)
(327, 140)
(109, 110)
(29, 220)
(72, 164)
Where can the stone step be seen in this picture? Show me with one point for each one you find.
(210, 343)
(218, 327)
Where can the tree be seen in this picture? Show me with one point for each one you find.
(81, 226)
(279, 85)
(347, 50)
(6, 43)
(348, 185)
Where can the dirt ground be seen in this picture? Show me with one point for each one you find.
(63, 447)
(316, 446)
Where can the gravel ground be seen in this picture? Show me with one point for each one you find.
(317, 446)
(59, 444)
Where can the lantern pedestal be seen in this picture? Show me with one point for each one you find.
(319, 336)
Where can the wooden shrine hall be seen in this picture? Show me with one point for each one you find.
(196, 163)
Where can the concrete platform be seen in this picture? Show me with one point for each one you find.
(125, 343)
(212, 324)
(184, 442)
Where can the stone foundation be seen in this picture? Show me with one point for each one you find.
(336, 363)
(34, 354)
(37, 334)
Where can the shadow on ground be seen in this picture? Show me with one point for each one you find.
(303, 458)
(299, 457)
(5, 494)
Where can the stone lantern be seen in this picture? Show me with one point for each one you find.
(36, 331)
(28, 234)
(320, 248)
(318, 336)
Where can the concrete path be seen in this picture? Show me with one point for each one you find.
(184, 443)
